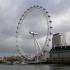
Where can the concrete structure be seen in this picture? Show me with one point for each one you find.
(60, 55)
(1, 58)
(58, 40)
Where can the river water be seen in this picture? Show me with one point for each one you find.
(34, 67)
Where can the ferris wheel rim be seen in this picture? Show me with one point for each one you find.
(48, 22)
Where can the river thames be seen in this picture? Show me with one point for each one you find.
(34, 67)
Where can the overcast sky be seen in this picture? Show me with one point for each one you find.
(11, 11)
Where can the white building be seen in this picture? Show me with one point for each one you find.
(58, 40)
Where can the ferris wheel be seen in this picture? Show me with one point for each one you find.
(34, 30)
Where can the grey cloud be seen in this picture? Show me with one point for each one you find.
(56, 7)
(11, 11)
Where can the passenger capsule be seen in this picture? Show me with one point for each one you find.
(18, 23)
(50, 21)
(41, 7)
(46, 11)
(51, 27)
(20, 18)
(49, 16)
(16, 31)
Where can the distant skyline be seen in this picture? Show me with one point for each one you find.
(11, 11)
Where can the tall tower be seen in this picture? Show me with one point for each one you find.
(58, 40)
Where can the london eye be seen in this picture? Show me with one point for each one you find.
(33, 31)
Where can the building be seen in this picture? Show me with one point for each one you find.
(60, 52)
(60, 55)
(58, 40)
(1, 58)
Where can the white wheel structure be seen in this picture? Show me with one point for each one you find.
(30, 32)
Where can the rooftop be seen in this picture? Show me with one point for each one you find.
(60, 49)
